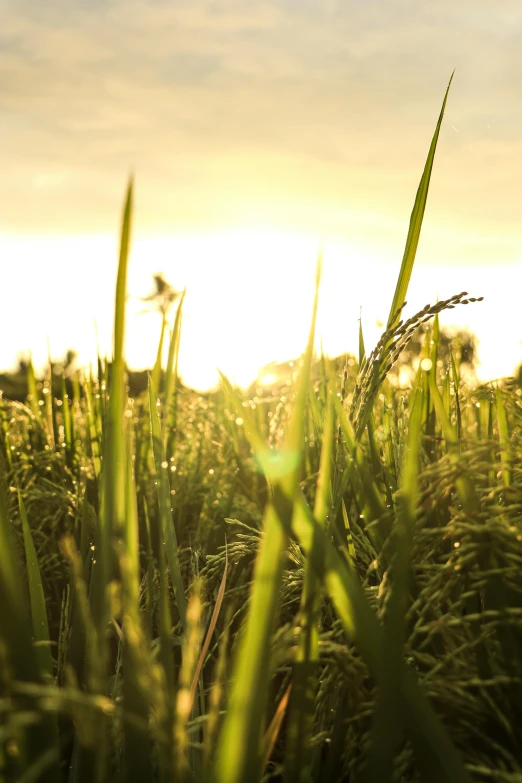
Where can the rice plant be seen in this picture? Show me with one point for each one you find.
(309, 583)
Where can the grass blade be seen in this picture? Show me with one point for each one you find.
(298, 757)
(166, 518)
(240, 741)
(39, 619)
(417, 215)
(171, 381)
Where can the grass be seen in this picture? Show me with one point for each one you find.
(298, 584)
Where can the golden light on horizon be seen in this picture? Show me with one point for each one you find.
(268, 379)
(248, 302)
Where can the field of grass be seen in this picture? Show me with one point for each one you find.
(315, 581)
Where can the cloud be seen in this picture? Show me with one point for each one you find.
(227, 110)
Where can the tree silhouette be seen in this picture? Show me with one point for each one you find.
(162, 296)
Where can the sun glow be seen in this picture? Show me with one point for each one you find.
(248, 303)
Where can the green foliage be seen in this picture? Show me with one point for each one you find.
(319, 581)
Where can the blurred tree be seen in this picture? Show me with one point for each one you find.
(462, 342)
(162, 296)
(70, 358)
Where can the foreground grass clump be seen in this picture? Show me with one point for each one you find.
(310, 582)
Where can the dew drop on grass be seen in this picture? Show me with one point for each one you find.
(164, 465)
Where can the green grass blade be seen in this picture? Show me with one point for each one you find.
(455, 374)
(504, 440)
(157, 369)
(299, 755)
(240, 749)
(164, 501)
(137, 682)
(362, 350)
(68, 425)
(112, 517)
(33, 396)
(39, 619)
(112, 512)
(417, 215)
(171, 382)
(14, 628)
(93, 430)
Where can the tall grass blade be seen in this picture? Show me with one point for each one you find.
(504, 439)
(157, 369)
(112, 517)
(240, 742)
(137, 682)
(299, 756)
(112, 513)
(165, 512)
(414, 230)
(171, 381)
(39, 619)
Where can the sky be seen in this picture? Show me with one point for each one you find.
(257, 133)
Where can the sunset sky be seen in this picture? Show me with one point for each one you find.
(257, 133)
